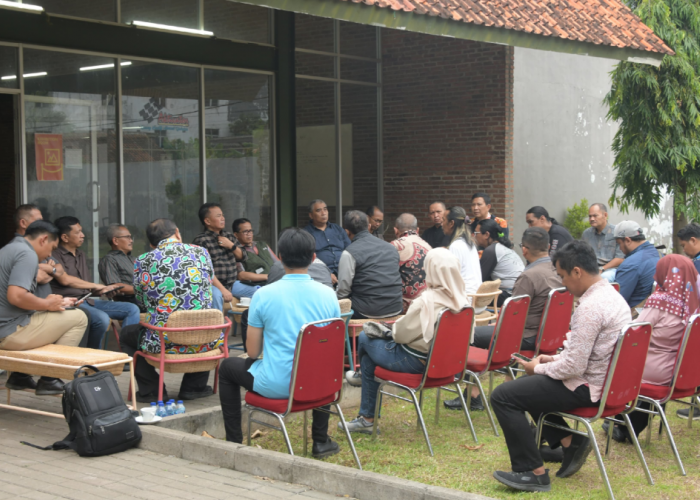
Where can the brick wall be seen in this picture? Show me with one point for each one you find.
(448, 116)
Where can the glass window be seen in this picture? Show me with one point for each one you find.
(315, 33)
(161, 147)
(355, 69)
(316, 162)
(8, 67)
(238, 125)
(237, 21)
(71, 147)
(358, 40)
(182, 13)
(99, 10)
(314, 65)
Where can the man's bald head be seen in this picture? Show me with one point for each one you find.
(406, 222)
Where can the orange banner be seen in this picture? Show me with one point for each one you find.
(49, 157)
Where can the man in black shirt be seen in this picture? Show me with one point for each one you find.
(558, 235)
(434, 235)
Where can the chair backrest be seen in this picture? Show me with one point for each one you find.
(345, 305)
(318, 366)
(616, 286)
(555, 322)
(487, 287)
(191, 326)
(624, 378)
(450, 347)
(508, 334)
(686, 373)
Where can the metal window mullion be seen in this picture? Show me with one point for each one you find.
(202, 138)
(23, 127)
(271, 93)
(118, 9)
(120, 142)
(338, 121)
(380, 125)
(201, 14)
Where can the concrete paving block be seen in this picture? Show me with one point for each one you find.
(370, 485)
(323, 476)
(209, 451)
(266, 463)
(438, 493)
(163, 441)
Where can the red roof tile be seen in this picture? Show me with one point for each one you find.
(602, 22)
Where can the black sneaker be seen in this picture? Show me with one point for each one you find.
(575, 456)
(187, 396)
(20, 381)
(454, 404)
(550, 455)
(524, 481)
(324, 450)
(619, 434)
(685, 412)
(49, 387)
(151, 397)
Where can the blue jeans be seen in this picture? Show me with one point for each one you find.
(388, 355)
(100, 315)
(237, 290)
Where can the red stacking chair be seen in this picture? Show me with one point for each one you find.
(620, 392)
(555, 323)
(616, 286)
(317, 380)
(447, 356)
(507, 337)
(685, 383)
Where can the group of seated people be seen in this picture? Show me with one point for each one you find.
(44, 275)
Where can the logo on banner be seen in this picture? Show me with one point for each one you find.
(151, 109)
(48, 149)
(173, 121)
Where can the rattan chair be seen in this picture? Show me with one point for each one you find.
(355, 326)
(486, 296)
(189, 328)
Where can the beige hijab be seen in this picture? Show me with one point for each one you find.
(445, 288)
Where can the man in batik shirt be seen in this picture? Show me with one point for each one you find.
(412, 251)
(174, 276)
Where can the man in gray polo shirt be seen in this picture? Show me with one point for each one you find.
(600, 237)
(28, 321)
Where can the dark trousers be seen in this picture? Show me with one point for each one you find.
(233, 374)
(536, 394)
(244, 328)
(146, 375)
(483, 334)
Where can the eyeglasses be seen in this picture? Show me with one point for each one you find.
(125, 236)
(523, 246)
(477, 232)
(247, 231)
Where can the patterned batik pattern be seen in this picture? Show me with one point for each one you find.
(173, 277)
(412, 252)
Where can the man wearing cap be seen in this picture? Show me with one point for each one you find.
(636, 273)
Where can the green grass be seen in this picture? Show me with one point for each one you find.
(401, 451)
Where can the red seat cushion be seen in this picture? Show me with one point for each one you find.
(661, 391)
(592, 411)
(477, 359)
(411, 380)
(528, 354)
(280, 405)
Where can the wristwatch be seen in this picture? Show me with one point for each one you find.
(53, 270)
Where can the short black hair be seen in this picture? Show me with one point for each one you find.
(65, 223)
(237, 224)
(486, 197)
(538, 212)
(159, 230)
(692, 230)
(23, 211)
(41, 227)
(355, 221)
(370, 211)
(296, 248)
(536, 239)
(495, 232)
(576, 253)
(204, 211)
(444, 207)
(639, 237)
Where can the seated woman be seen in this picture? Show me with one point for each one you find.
(668, 310)
(463, 246)
(412, 334)
(498, 261)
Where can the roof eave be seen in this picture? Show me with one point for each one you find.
(434, 25)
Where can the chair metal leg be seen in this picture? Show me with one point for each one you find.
(306, 424)
(250, 415)
(490, 383)
(648, 436)
(437, 405)
(608, 437)
(465, 408)
(347, 436)
(693, 402)
(599, 458)
(420, 407)
(677, 456)
(419, 414)
(284, 431)
(637, 448)
(377, 408)
(351, 359)
(486, 403)
(216, 376)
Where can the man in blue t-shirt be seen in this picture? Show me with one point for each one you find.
(636, 273)
(277, 313)
(689, 238)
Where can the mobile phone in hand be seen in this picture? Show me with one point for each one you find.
(83, 297)
(520, 356)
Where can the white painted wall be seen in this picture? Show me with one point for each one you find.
(562, 139)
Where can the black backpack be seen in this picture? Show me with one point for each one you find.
(99, 421)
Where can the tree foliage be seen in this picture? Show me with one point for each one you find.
(576, 221)
(658, 143)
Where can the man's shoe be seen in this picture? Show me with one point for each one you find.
(575, 456)
(151, 397)
(454, 404)
(324, 450)
(186, 396)
(20, 381)
(49, 386)
(524, 481)
(686, 411)
(550, 455)
(358, 425)
(354, 378)
(619, 434)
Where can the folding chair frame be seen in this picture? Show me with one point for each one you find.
(280, 416)
(418, 402)
(587, 421)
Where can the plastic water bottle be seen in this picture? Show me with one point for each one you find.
(171, 408)
(180, 407)
(161, 412)
(154, 407)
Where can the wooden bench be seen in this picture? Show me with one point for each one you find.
(61, 361)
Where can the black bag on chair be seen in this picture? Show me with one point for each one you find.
(99, 421)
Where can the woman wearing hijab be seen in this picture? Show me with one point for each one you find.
(668, 310)
(412, 335)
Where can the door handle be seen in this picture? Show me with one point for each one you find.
(89, 196)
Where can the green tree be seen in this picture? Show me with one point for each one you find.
(576, 221)
(658, 144)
